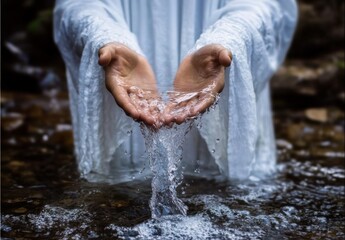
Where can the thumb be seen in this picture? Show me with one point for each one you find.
(225, 57)
(104, 55)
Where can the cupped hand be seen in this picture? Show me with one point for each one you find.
(131, 81)
(198, 80)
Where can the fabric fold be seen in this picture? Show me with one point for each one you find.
(238, 134)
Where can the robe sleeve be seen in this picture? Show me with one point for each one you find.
(80, 29)
(79, 23)
(258, 33)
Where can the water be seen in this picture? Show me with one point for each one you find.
(43, 197)
(164, 144)
(164, 148)
(284, 206)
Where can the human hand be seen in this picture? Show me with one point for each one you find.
(198, 80)
(131, 81)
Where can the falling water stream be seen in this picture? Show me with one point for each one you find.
(164, 149)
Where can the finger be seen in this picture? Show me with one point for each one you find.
(155, 107)
(123, 100)
(188, 110)
(182, 112)
(182, 117)
(203, 104)
(168, 119)
(225, 57)
(147, 118)
(168, 116)
(105, 55)
(144, 109)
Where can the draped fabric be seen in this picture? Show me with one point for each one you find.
(236, 139)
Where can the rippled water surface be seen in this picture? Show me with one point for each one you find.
(42, 196)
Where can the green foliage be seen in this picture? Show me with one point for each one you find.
(341, 64)
(41, 22)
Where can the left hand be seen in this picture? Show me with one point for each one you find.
(198, 80)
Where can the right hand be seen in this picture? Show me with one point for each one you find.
(131, 81)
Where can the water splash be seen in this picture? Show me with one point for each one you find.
(164, 148)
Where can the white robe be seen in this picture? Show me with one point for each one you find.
(236, 140)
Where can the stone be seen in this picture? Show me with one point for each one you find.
(11, 121)
(317, 114)
(20, 210)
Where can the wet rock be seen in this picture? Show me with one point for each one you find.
(37, 196)
(11, 141)
(11, 121)
(35, 129)
(341, 97)
(34, 111)
(320, 27)
(311, 81)
(67, 202)
(36, 203)
(27, 174)
(16, 164)
(4, 100)
(62, 138)
(325, 144)
(5, 228)
(294, 131)
(326, 153)
(281, 143)
(317, 114)
(335, 115)
(304, 74)
(20, 210)
(332, 133)
(63, 127)
(118, 204)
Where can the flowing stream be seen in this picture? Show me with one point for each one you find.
(43, 197)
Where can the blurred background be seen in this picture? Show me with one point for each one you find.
(31, 60)
(308, 87)
(36, 134)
